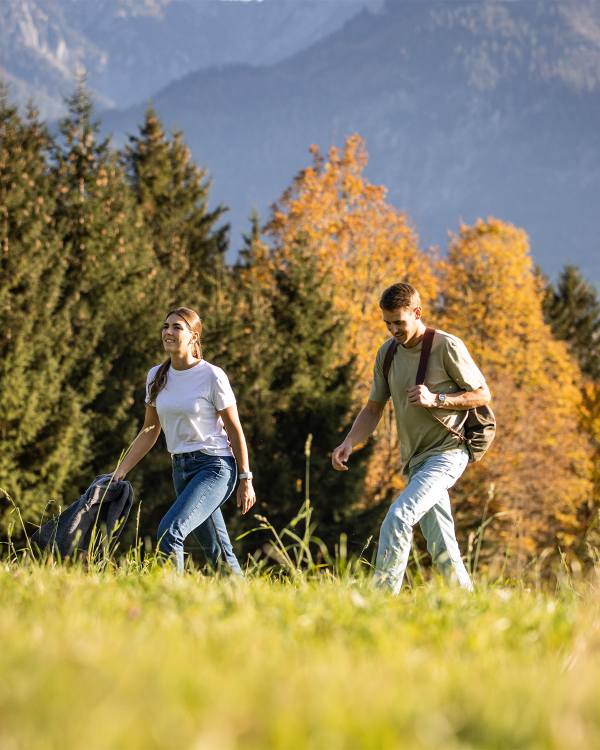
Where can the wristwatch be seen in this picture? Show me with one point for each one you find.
(246, 475)
(442, 400)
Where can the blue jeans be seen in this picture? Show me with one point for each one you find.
(202, 484)
(425, 500)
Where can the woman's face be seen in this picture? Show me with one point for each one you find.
(177, 337)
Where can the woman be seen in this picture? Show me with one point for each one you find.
(196, 408)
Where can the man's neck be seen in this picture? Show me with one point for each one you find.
(417, 338)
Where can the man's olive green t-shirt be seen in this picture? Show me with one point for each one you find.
(450, 369)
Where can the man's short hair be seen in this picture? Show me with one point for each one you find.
(400, 296)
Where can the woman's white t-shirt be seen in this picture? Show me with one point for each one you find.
(187, 409)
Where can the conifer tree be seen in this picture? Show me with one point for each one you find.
(172, 191)
(572, 308)
(361, 244)
(280, 346)
(42, 433)
(172, 194)
(108, 283)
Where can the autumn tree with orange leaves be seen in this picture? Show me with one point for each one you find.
(539, 464)
(335, 223)
(536, 478)
(361, 245)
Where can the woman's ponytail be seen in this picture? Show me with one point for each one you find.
(159, 382)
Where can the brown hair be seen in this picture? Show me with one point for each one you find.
(399, 296)
(193, 322)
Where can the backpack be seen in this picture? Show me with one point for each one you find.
(480, 425)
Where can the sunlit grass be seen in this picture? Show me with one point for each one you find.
(147, 659)
(105, 652)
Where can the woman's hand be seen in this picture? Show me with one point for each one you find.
(245, 495)
(119, 474)
(141, 445)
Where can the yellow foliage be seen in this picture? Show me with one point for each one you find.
(361, 243)
(540, 462)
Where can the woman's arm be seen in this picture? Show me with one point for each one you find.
(142, 444)
(245, 494)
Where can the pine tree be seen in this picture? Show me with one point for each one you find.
(361, 245)
(172, 194)
(280, 346)
(42, 433)
(572, 309)
(107, 292)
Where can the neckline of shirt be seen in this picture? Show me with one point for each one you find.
(179, 373)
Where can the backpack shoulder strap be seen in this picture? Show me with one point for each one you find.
(389, 356)
(425, 352)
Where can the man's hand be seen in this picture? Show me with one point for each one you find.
(420, 395)
(245, 495)
(340, 455)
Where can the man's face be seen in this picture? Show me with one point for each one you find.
(403, 323)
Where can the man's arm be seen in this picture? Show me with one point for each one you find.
(420, 395)
(364, 425)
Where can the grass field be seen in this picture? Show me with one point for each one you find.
(151, 660)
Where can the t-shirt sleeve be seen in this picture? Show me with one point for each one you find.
(149, 379)
(222, 393)
(380, 390)
(460, 366)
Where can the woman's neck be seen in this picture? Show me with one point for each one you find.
(183, 362)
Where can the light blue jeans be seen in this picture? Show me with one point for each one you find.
(202, 484)
(425, 500)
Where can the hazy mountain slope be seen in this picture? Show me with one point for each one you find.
(134, 47)
(468, 109)
(40, 51)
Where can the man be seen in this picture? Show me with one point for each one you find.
(433, 458)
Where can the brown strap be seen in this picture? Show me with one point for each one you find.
(422, 370)
(454, 432)
(424, 360)
(389, 356)
(425, 352)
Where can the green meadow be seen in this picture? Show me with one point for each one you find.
(133, 656)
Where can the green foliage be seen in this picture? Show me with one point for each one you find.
(107, 291)
(97, 247)
(171, 192)
(43, 434)
(279, 342)
(572, 308)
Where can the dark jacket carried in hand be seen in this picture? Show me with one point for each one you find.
(103, 504)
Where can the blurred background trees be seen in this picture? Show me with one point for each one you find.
(97, 245)
(540, 462)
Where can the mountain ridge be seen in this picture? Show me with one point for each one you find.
(468, 109)
(132, 48)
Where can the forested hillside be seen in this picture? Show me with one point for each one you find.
(97, 245)
(468, 109)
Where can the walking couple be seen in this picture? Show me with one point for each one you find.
(194, 404)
